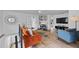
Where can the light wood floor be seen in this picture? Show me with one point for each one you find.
(52, 42)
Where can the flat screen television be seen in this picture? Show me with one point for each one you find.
(63, 20)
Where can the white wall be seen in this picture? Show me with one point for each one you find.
(73, 12)
(71, 23)
(12, 28)
(58, 16)
(21, 18)
(1, 22)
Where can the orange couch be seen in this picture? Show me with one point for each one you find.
(30, 40)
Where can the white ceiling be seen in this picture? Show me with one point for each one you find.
(43, 12)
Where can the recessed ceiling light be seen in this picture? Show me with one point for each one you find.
(39, 11)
